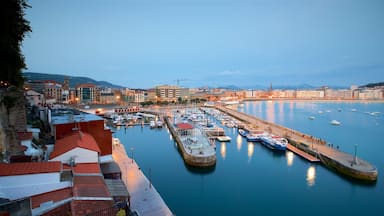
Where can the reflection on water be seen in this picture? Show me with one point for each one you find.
(170, 137)
(289, 156)
(250, 150)
(311, 176)
(270, 111)
(239, 141)
(223, 150)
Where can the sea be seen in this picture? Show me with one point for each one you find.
(250, 179)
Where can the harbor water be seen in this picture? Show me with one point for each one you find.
(250, 179)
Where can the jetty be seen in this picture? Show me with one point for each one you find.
(301, 143)
(145, 200)
(195, 150)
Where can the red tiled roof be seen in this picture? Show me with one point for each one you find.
(85, 207)
(24, 136)
(29, 168)
(74, 140)
(54, 196)
(89, 186)
(184, 126)
(86, 168)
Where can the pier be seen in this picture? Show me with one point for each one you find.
(303, 143)
(144, 198)
(202, 158)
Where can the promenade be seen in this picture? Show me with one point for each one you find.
(341, 161)
(144, 198)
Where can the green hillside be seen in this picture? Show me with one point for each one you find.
(73, 80)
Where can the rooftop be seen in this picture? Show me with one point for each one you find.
(184, 126)
(24, 136)
(74, 140)
(86, 168)
(90, 186)
(65, 116)
(87, 207)
(29, 168)
(54, 196)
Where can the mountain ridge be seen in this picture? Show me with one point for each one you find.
(73, 80)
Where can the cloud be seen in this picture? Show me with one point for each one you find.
(230, 73)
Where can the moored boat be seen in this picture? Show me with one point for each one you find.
(334, 122)
(243, 132)
(274, 142)
(255, 137)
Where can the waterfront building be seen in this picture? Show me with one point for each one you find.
(87, 93)
(64, 122)
(34, 98)
(309, 94)
(168, 93)
(338, 94)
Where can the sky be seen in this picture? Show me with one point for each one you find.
(194, 43)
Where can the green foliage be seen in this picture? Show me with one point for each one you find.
(13, 28)
(8, 101)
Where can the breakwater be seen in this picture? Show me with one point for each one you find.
(197, 160)
(339, 161)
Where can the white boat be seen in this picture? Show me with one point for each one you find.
(353, 110)
(311, 117)
(334, 122)
(152, 124)
(223, 138)
(159, 124)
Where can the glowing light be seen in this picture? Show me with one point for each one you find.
(223, 150)
(250, 150)
(289, 156)
(311, 176)
(239, 141)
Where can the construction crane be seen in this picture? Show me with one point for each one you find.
(178, 81)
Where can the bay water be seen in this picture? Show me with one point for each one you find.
(250, 179)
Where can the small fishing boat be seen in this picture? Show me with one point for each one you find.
(334, 122)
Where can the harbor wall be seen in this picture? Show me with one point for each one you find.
(310, 145)
(189, 159)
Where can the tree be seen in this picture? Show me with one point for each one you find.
(13, 28)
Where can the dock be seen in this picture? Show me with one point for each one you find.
(145, 200)
(303, 154)
(341, 162)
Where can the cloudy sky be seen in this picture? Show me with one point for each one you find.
(142, 43)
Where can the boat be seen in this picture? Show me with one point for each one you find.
(243, 132)
(223, 138)
(159, 124)
(311, 117)
(255, 137)
(152, 124)
(334, 122)
(275, 142)
(353, 110)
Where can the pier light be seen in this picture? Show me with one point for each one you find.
(132, 154)
(239, 141)
(250, 150)
(311, 176)
(223, 150)
(290, 156)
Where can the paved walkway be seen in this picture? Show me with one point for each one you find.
(313, 143)
(144, 197)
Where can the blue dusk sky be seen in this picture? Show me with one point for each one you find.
(143, 43)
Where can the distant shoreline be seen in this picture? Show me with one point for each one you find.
(317, 100)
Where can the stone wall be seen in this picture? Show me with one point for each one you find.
(13, 118)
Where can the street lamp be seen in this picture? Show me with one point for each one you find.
(355, 158)
(132, 154)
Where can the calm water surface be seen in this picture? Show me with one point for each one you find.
(250, 179)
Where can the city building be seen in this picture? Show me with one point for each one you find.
(87, 93)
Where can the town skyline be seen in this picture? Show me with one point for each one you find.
(216, 43)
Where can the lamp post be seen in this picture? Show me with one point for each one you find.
(132, 154)
(355, 158)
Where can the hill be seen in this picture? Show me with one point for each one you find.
(73, 80)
